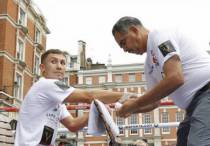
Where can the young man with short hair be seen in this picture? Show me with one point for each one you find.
(43, 106)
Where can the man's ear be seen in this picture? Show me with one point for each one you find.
(133, 29)
(42, 68)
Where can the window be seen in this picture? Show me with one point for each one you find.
(179, 116)
(143, 89)
(132, 77)
(73, 62)
(22, 17)
(18, 88)
(131, 89)
(88, 80)
(37, 36)
(165, 119)
(118, 78)
(133, 119)
(120, 121)
(36, 65)
(102, 79)
(20, 50)
(147, 120)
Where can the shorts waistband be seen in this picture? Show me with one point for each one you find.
(203, 89)
(197, 97)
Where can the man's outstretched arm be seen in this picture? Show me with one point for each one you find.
(87, 96)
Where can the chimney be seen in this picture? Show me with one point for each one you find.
(81, 54)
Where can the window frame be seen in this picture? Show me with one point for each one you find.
(18, 90)
(120, 121)
(38, 37)
(88, 80)
(100, 80)
(36, 65)
(165, 119)
(20, 51)
(133, 119)
(181, 116)
(22, 20)
(118, 78)
(147, 119)
(131, 77)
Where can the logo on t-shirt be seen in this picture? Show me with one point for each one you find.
(166, 47)
(61, 85)
(154, 58)
(47, 136)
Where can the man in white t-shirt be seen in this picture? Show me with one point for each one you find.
(43, 106)
(175, 66)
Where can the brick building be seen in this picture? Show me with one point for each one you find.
(130, 78)
(23, 33)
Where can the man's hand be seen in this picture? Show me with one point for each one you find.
(124, 110)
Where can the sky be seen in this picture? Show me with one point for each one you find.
(92, 22)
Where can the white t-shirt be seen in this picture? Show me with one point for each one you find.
(195, 63)
(40, 113)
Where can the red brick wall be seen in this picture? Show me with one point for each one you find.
(28, 81)
(7, 72)
(138, 76)
(95, 80)
(1, 70)
(44, 40)
(134, 90)
(95, 138)
(125, 77)
(31, 29)
(29, 55)
(12, 9)
(3, 6)
(113, 78)
(10, 38)
(2, 33)
(73, 79)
